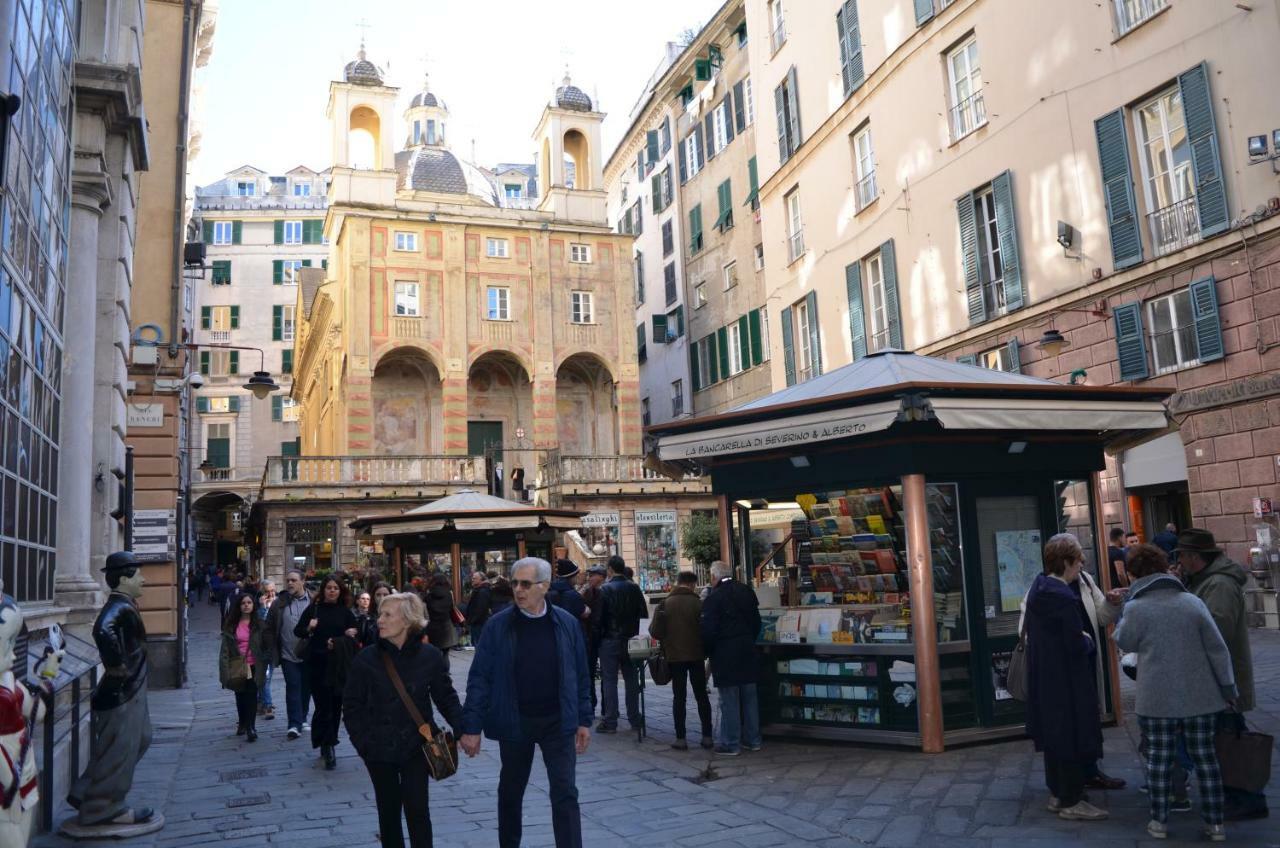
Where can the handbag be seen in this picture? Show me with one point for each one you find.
(439, 749)
(457, 616)
(659, 668)
(238, 672)
(1244, 757)
(1016, 682)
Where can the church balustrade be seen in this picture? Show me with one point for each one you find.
(374, 470)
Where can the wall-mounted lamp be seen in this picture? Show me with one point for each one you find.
(1052, 342)
(1066, 235)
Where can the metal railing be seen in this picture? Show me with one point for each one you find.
(374, 470)
(778, 37)
(1173, 350)
(878, 341)
(1175, 226)
(865, 191)
(795, 245)
(967, 116)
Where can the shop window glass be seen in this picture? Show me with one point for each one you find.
(1010, 542)
(656, 551)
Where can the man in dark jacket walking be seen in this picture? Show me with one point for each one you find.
(730, 625)
(564, 590)
(281, 647)
(677, 623)
(1219, 581)
(623, 606)
(596, 575)
(528, 687)
(478, 606)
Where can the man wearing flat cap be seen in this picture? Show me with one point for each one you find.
(1219, 581)
(121, 723)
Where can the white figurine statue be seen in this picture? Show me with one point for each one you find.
(22, 707)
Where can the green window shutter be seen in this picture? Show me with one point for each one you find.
(679, 320)
(857, 320)
(739, 107)
(202, 404)
(1131, 345)
(1015, 356)
(277, 408)
(306, 263)
(641, 352)
(893, 311)
(289, 448)
(1202, 135)
(1007, 232)
(206, 232)
(722, 350)
(724, 192)
(702, 69)
(969, 250)
(753, 183)
(286, 361)
(710, 136)
(757, 340)
(324, 263)
(651, 145)
(234, 357)
(1204, 308)
(235, 317)
(847, 32)
(793, 107)
(659, 329)
(967, 360)
(277, 271)
(713, 361)
(788, 348)
(206, 317)
(655, 188)
(924, 11)
(277, 323)
(237, 232)
(780, 108)
(744, 343)
(317, 231)
(278, 232)
(814, 336)
(221, 272)
(695, 377)
(218, 452)
(695, 229)
(1117, 190)
(233, 403)
(204, 362)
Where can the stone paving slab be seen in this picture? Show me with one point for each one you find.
(216, 789)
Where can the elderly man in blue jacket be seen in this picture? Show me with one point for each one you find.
(529, 686)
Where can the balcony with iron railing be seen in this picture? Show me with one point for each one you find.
(878, 341)
(865, 191)
(224, 475)
(795, 245)
(968, 115)
(610, 474)
(218, 336)
(1131, 13)
(778, 36)
(1175, 349)
(1175, 226)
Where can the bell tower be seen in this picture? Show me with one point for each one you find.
(570, 164)
(361, 111)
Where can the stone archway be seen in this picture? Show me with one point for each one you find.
(408, 405)
(586, 407)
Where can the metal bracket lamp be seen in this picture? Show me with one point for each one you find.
(1053, 342)
(260, 383)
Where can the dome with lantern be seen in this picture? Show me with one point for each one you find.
(360, 71)
(569, 96)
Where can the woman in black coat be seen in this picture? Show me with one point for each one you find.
(1062, 690)
(366, 620)
(328, 620)
(440, 628)
(380, 726)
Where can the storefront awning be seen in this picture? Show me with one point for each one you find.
(961, 413)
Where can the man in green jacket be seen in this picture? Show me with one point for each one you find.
(1219, 581)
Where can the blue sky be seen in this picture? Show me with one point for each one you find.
(495, 62)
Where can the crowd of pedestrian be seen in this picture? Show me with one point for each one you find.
(1179, 614)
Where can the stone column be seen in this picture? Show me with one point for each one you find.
(74, 584)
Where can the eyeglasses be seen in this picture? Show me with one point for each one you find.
(527, 584)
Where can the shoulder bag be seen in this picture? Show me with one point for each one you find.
(439, 749)
(659, 668)
(1017, 680)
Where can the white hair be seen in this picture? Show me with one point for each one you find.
(410, 606)
(541, 568)
(719, 570)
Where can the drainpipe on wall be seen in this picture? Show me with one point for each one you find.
(189, 9)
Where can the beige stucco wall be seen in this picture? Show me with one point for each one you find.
(1047, 76)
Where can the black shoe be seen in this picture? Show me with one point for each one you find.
(680, 745)
(604, 728)
(240, 730)
(330, 759)
(251, 735)
(707, 741)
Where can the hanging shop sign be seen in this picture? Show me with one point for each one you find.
(789, 432)
(600, 519)
(655, 516)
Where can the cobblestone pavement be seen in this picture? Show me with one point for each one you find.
(216, 789)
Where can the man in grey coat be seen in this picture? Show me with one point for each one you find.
(281, 647)
(1219, 581)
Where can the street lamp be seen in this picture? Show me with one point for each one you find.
(261, 383)
(1053, 342)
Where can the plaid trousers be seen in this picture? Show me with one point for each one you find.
(1162, 738)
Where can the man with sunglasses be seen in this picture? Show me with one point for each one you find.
(281, 644)
(529, 687)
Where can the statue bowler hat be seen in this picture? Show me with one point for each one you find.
(1197, 541)
(120, 561)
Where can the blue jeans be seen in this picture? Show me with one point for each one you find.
(739, 717)
(614, 658)
(561, 758)
(264, 694)
(297, 692)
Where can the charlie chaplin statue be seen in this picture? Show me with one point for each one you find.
(121, 723)
(22, 707)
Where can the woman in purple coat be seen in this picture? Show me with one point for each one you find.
(1062, 689)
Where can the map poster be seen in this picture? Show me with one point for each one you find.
(1018, 562)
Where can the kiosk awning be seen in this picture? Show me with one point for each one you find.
(961, 413)
(797, 430)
